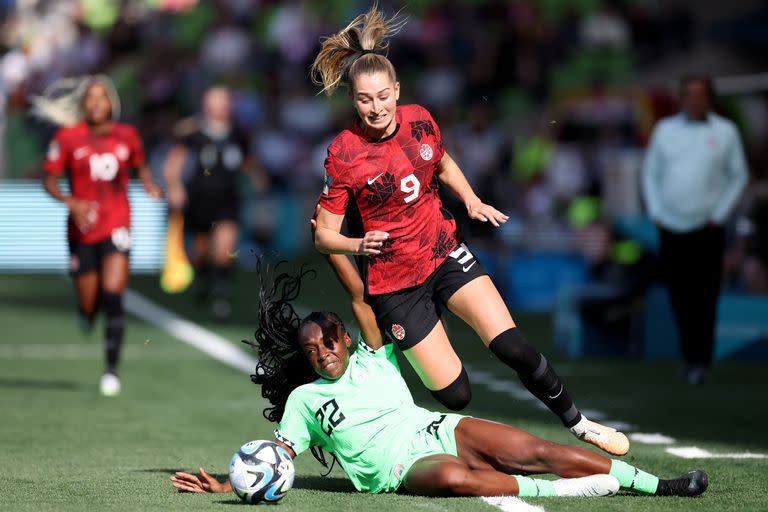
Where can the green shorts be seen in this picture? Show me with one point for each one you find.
(435, 438)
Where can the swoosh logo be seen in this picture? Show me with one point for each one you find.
(558, 393)
(371, 182)
(80, 153)
(466, 269)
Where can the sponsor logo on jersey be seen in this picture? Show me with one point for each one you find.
(81, 152)
(371, 181)
(398, 331)
(426, 152)
(327, 184)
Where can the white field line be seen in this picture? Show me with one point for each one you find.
(693, 452)
(511, 504)
(188, 332)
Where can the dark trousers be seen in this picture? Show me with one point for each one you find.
(692, 263)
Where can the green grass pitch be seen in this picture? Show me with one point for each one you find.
(63, 447)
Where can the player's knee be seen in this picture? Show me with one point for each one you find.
(457, 395)
(450, 479)
(512, 348)
(545, 452)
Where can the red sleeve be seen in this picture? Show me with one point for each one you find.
(57, 157)
(137, 148)
(336, 190)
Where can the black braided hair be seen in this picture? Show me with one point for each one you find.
(281, 366)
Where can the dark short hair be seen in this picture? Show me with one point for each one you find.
(703, 78)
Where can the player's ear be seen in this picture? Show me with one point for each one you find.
(347, 340)
(397, 91)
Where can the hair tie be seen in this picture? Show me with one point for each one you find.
(366, 52)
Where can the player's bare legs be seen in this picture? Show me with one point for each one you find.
(434, 359)
(114, 279)
(87, 290)
(446, 475)
(224, 241)
(511, 450)
(481, 306)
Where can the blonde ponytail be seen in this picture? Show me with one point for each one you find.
(350, 53)
(62, 102)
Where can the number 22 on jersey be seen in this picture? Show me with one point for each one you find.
(103, 166)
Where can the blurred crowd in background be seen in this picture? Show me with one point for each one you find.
(547, 105)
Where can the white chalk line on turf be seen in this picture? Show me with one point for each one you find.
(511, 504)
(694, 452)
(188, 332)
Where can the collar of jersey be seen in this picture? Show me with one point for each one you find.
(361, 133)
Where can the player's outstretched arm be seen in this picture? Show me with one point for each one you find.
(451, 176)
(186, 482)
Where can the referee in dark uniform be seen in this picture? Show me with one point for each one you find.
(208, 194)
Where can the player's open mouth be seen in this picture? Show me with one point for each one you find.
(328, 365)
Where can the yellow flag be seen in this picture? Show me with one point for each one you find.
(177, 272)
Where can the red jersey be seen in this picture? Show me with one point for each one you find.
(97, 166)
(392, 180)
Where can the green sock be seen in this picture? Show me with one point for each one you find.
(533, 487)
(632, 478)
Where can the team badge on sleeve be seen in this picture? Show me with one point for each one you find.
(327, 184)
(398, 331)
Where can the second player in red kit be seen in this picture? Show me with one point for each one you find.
(98, 168)
(96, 154)
(390, 163)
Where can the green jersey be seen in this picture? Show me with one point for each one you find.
(366, 418)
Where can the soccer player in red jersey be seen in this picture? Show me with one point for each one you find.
(389, 164)
(96, 153)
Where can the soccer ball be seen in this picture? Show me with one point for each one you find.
(261, 471)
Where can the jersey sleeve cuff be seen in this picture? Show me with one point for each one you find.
(285, 440)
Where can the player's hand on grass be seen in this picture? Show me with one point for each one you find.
(84, 213)
(478, 210)
(186, 482)
(372, 242)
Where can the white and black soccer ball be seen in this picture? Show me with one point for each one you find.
(261, 471)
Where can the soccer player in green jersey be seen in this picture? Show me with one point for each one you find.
(356, 406)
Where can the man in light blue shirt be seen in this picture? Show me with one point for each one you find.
(693, 175)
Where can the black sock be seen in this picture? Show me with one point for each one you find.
(222, 282)
(536, 374)
(202, 282)
(456, 395)
(115, 320)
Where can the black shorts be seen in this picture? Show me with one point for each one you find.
(84, 258)
(408, 315)
(201, 214)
